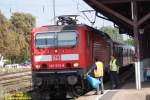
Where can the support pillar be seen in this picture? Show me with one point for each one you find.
(137, 75)
(136, 38)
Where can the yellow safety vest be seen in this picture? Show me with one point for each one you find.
(113, 66)
(98, 72)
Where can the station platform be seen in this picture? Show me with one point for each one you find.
(126, 92)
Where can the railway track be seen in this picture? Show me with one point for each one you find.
(19, 81)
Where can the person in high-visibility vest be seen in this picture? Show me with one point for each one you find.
(98, 72)
(114, 69)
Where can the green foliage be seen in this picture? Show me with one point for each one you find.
(14, 34)
(23, 23)
(113, 33)
(17, 96)
(7, 37)
(130, 41)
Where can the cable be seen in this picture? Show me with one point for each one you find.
(79, 4)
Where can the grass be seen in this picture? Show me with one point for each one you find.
(18, 95)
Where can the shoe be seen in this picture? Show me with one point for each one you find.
(102, 92)
(96, 93)
(116, 87)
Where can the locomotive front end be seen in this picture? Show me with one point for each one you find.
(56, 64)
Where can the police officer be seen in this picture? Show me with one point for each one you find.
(114, 69)
(98, 73)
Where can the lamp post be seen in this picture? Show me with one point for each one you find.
(54, 11)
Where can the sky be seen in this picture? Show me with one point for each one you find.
(43, 10)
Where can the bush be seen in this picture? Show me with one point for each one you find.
(17, 96)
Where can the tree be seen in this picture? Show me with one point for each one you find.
(8, 38)
(130, 41)
(113, 33)
(14, 34)
(23, 25)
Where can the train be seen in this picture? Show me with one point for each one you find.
(62, 54)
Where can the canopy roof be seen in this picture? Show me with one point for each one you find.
(122, 12)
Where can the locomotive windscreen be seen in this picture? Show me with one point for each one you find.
(56, 39)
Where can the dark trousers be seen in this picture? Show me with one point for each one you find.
(114, 80)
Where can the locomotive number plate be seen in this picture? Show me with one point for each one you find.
(56, 57)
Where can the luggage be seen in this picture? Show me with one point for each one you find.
(93, 81)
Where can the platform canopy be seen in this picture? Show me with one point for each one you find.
(133, 18)
(122, 13)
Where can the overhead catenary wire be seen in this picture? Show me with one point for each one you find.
(42, 9)
(79, 4)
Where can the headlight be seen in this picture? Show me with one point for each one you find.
(37, 66)
(56, 51)
(76, 65)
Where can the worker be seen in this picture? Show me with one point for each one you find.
(97, 68)
(114, 70)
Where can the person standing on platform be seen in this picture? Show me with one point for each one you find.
(97, 68)
(114, 69)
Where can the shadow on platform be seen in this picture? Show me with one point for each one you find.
(148, 97)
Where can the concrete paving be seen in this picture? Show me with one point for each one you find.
(91, 96)
(131, 94)
(127, 92)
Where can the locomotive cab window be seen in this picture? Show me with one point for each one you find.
(68, 38)
(56, 39)
(46, 39)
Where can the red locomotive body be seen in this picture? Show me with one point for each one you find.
(68, 48)
(61, 55)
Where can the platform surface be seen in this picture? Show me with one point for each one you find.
(126, 92)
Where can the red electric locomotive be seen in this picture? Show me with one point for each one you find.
(62, 54)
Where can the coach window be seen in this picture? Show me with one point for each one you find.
(128, 52)
(116, 51)
(124, 54)
(148, 43)
(119, 51)
(87, 39)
